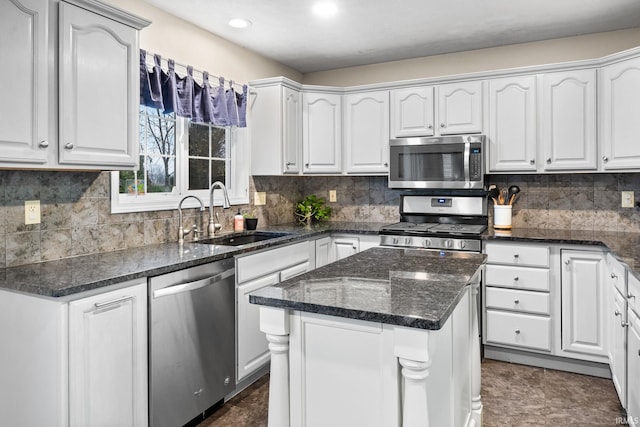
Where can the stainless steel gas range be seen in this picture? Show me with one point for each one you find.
(452, 220)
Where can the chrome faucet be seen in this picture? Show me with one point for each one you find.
(214, 228)
(181, 231)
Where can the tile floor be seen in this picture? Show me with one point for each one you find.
(512, 395)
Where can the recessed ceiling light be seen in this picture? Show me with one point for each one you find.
(325, 9)
(239, 23)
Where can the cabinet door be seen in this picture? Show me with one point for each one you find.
(344, 246)
(460, 108)
(253, 348)
(291, 130)
(633, 373)
(323, 247)
(583, 303)
(568, 127)
(512, 124)
(108, 359)
(322, 132)
(366, 132)
(617, 343)
(24, 83)
(620, 109)
(99, 90)
(412, 112)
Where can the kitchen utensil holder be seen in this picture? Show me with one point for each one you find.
(502, 217)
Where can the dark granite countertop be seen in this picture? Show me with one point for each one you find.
(78, 274)
(83, 273)
(407, 287)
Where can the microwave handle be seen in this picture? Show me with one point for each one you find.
(467, 154)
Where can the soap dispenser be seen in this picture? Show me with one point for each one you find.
(238, 222)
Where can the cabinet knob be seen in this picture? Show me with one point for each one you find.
(515, 279)
(624, 324)
(289, 164)
(567, 262)
(442, 125)
(532, 161)
(429, 126)
(617, 313)
(613, 276)
(549, 160)
(44, 144)
(516, 301)
(354, 247)
(386, 165)
(68, 146)
(516, 255)
(517, 331)
(605, 159)
(306, 164)
(630, 295)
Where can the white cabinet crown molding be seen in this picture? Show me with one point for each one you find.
(111, 12)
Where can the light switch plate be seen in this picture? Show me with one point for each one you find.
(259, 198)
(32, 211)
(333, 196)
(627, 199)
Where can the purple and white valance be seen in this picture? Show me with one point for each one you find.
(185, 97)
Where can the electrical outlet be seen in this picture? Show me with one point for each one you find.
(259, 198)
(32, 211)
(627, 199)
(333, 196)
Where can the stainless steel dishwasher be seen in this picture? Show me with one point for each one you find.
(191, 341)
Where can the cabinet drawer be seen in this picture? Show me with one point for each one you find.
(271, 260)
(522, 301)
(533, 256)
(517, 277)
(522, 330)
(633, 294)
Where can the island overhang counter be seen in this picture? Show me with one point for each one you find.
(386, 337)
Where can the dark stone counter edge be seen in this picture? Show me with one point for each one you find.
(391, 319)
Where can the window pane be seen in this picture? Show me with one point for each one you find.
(160, 174)
(198, 140)
(217, 170)
(198, 174)
(218, 142)
(161, 137)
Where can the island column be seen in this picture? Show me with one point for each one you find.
(274, 322)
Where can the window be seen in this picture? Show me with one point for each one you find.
(177, 158)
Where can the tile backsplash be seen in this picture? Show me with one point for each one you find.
(76, 218)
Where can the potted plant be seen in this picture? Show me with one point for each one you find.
(311, 209)
(250, 220)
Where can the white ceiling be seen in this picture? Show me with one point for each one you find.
(372, 31)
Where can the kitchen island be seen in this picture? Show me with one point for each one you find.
(386, 337)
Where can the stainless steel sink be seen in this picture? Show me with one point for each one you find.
(244, 238)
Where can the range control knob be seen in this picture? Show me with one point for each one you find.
(395, 240)
(426, 243)
(407, 241)
(462, 244)
(448, 243)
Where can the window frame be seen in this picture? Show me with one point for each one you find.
(237, 176)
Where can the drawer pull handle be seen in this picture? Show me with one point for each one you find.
(114, 301)
(515, 279)
(517, 331)
(517, 301)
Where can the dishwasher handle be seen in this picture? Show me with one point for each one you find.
(192, 286)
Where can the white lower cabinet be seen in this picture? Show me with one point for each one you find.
(323, 249)
(75, 362)
(253, 272)
(633, 370)
(344, 245)
(584, 304)
(108, 359)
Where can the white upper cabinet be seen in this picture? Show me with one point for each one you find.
(99, 90)
(412, 112)
(512, 124)
(568, 120)
(71, 87)
(366, 130)
(24, 114)
(620, 112)
(275, 114)
(322, 132)
(460, 107)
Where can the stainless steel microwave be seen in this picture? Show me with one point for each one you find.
(449, 162)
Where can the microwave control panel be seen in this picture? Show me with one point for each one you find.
(475, 163)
